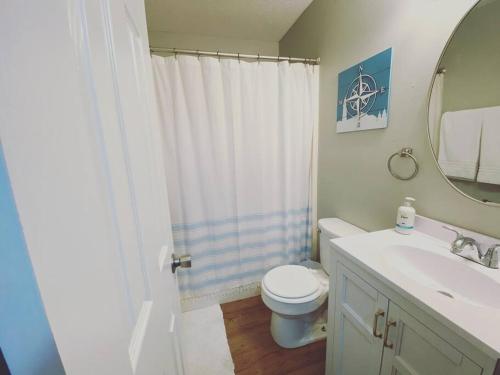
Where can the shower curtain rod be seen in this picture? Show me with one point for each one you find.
(237, 55)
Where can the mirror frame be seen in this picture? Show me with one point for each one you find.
(429, 139)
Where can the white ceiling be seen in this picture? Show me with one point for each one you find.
(266, 20)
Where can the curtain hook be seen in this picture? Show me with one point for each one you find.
(218, 56)
(289, 59)
(175, 53)
(258, 58)
(198, 53)
(239, 57)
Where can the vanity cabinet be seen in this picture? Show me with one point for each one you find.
(373, 335)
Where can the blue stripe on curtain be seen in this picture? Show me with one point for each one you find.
(194, 272)
(191, 285)
(186, 242)
(290, 243)
(239, 219)
(306, 236)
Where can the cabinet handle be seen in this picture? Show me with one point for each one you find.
(390, 323)
(378, 313)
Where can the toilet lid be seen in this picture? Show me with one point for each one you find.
(291, 281)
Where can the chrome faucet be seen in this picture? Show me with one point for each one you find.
(460, 243)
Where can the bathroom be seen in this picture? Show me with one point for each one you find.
(105, 158)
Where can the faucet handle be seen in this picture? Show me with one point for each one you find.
(459, 235)
(458, 244)
(491, 256)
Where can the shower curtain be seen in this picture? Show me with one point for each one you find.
(238, 144)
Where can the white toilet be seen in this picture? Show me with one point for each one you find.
(297, 294)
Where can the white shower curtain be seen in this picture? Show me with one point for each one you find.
(238, 142)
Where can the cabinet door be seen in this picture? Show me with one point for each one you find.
(410, 348)
(359, 321)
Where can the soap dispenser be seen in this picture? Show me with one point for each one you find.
(405, 221)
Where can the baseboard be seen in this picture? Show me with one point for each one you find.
(234, 294)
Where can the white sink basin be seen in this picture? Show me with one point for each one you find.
(451, 276)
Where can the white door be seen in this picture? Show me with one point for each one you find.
(360, 315)
(78, 127)
(413, 349)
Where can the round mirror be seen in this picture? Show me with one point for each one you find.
(464, 105)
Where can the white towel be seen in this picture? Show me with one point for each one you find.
(489, 164)
(459, 143)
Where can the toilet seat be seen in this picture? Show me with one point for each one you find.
(291, 282)
(294, 305)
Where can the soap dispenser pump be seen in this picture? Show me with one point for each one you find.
(405, 221)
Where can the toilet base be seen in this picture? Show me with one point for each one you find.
(294, 331)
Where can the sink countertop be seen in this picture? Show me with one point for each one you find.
(399, 261)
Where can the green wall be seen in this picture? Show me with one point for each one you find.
(472, 61)
(353, 182)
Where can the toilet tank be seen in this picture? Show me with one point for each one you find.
(333, 228)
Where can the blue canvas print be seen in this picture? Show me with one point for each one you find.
(363, 94)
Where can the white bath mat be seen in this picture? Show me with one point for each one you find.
(205, 348)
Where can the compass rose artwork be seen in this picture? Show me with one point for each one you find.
(364, 94)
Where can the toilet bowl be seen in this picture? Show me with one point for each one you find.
(297, 294)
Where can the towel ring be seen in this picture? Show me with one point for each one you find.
(405, 152)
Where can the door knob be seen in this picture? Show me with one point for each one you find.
(183, 261)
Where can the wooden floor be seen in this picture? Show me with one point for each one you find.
(253, 349)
